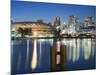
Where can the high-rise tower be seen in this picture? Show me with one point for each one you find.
(72, 24)
(72, 20)
(89, 21)
(57, 24)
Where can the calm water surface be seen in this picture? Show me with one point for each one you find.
(81, 54)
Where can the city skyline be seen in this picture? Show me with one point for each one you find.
(52, 37)
(33, 11)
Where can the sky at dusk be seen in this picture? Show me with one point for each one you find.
(33, 11)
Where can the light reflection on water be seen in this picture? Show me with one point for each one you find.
(36, 55)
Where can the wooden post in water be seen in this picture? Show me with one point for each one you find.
(58, 56)
(53, 57)
(63, 58)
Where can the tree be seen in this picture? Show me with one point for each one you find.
(24, 31)
(28, 31)
(21, 31)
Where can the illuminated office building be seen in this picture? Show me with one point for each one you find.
(89, 21)
(72, 24)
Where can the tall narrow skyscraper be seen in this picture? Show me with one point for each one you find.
(57, 25)
(57, 22)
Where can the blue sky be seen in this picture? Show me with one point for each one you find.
(32, 11)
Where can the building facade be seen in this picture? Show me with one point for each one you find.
(37, 29)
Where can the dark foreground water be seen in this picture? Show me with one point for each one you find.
(81, 54)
